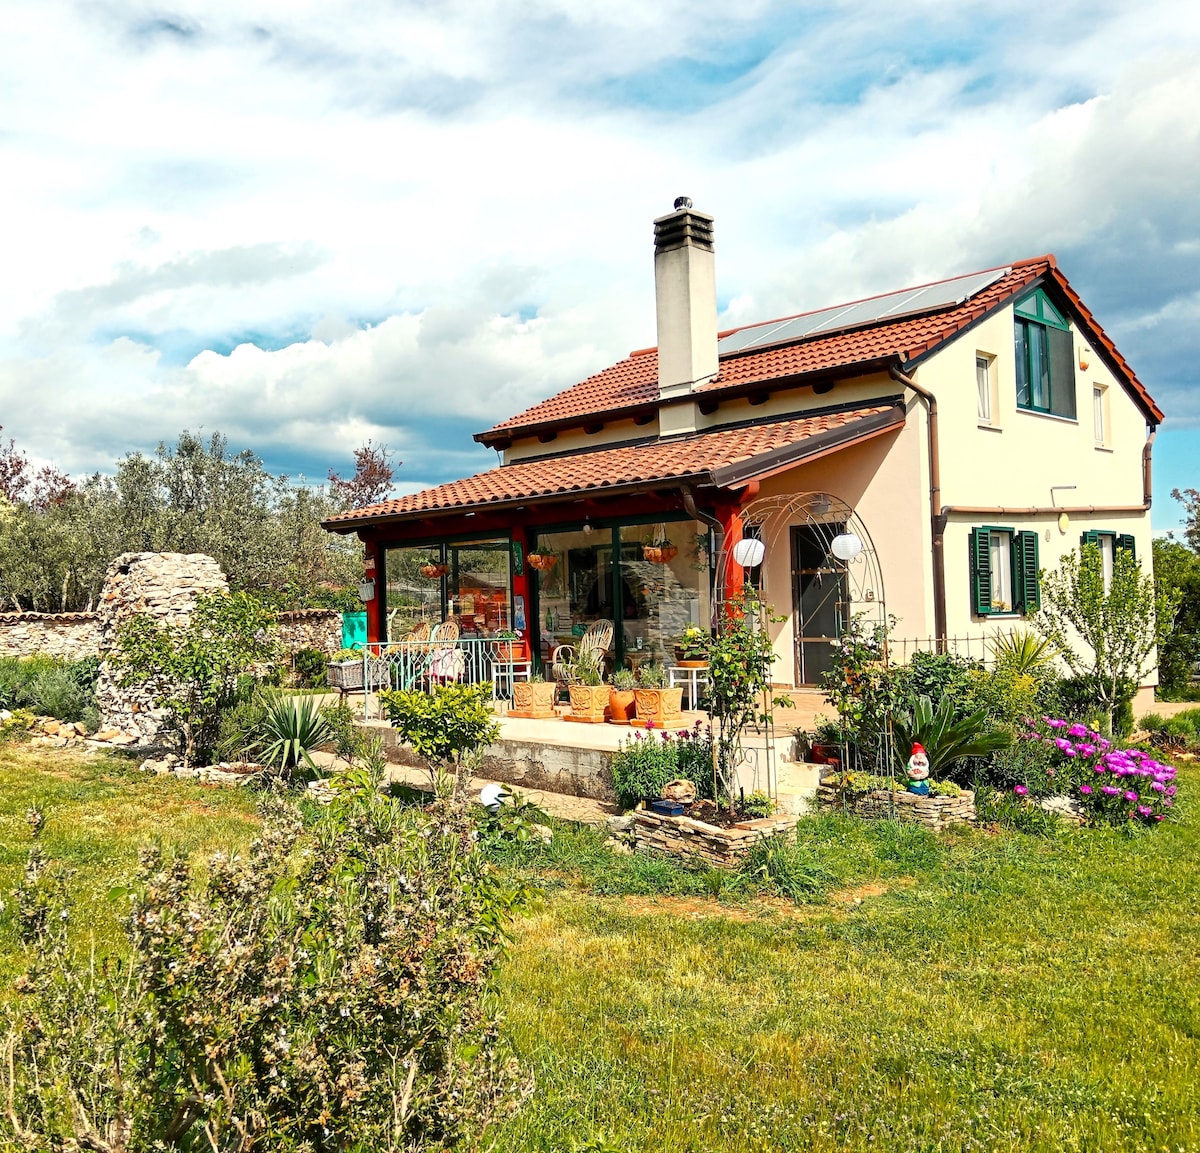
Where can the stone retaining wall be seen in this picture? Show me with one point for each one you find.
(69, 636)
(881, 805)
(73, 636)
(683, 836)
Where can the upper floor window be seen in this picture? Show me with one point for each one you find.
(1100, 423)
(984, 381)
(1045, 357)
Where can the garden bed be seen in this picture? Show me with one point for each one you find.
(686, 836)
(886, 805)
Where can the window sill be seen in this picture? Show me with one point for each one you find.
(990, 427)
(1103, 448)
(1048, 415)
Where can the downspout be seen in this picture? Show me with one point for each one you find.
(937, 522)
(1146, 466)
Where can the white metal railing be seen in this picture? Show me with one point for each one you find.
(426, 664)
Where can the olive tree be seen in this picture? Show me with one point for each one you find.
(1105, 632)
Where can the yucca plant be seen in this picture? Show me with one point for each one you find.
(291, 727)
(1023, 651)
(946, 740)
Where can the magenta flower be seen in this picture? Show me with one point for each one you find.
(1085, 790)
(1159, 787)
(1020, 790)
(1109, 791)
(1130, 795)
(1170, 790)
(1143, 810)
(1055, 724)
(1077, 730)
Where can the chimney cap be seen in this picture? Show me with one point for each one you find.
(683, 202)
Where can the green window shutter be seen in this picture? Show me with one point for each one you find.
(981, 571)
(1025, 572)
(1089, 537)
(1126, 543)
(1062, 372)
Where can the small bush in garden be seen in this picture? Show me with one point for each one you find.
(647, 761)
(16, 725)
(1113, 785)
(56, 693)
(308, 668)
(48, 686)
(449, 727)
(758, 805)
(239, 730)
(327, 991)
(347, 737)
(291, 727)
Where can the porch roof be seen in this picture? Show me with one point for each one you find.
(722, 458)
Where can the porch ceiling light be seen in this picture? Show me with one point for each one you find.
(846, 546)
(749, 552)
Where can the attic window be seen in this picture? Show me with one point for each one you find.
(1045, 357)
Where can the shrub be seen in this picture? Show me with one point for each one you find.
(344, 732)
(290, 728)
(238, 731)
(938, 676)
(49, 686)
(758, 805)
(57, 693)
(947, 736)
(192, 670)
(642, 766)
(1114, 785)
(308, 668)
(327, 991)
(449, 727)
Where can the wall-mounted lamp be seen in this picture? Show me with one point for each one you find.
(1084, 358)
(749, 552)
(846, 546)
(366, 590)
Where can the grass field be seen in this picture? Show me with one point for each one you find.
(975, 991)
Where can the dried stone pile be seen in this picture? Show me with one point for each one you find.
(684, 836)
(162, 585)
(58, 734)
(225, 773)
(883, 805)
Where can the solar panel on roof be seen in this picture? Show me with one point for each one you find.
(890, 306)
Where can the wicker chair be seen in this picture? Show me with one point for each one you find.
(593, 646)
(446, 661)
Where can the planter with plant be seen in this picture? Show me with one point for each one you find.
(509, 646)
(691, 650)
(433, 569)
(534, 698)
(657, 705)
(541, 559)
(659, 549)
(588, 692)
(346, 669)
(622, 700)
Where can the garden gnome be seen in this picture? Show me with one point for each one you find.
(918, 770)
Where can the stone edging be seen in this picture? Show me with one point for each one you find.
(684, 836)
(881, 804)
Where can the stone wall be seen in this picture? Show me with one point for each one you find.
(881, 805)
(311, 629)
(69, 636)
(685, 837)
(73, 636)
(166, 587)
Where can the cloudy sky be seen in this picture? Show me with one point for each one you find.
(313, 222)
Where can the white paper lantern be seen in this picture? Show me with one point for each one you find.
(846, 546)
(492, 796)
(749, 552)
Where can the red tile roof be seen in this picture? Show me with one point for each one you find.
(632, 383)
(727, 456)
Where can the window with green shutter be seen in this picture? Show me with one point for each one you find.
(1045, 357)
(1004, 571)
(1109, 543)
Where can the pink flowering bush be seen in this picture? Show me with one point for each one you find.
(1113, 785)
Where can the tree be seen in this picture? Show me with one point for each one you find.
(192, 669)
(1177, 573)
(1105, 635)
(372, 479)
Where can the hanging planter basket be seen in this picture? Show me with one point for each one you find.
(542, 561)
(433, 570)
(659, 554)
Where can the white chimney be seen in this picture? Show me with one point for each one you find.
(685, 291)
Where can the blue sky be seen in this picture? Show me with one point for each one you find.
(308, 223)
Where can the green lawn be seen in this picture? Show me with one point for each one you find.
(978, 991)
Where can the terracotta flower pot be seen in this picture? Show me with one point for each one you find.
(659, 554)
(622, 705)
(589, 702)
(660, 707)
(534, 698)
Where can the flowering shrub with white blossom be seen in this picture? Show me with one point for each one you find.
(1113, 785)
(328, 991)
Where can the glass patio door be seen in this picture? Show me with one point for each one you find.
(820, 599)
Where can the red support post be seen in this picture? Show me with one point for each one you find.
(373, 568)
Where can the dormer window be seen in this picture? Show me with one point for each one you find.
(1045, 358)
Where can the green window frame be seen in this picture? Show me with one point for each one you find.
(1019, 574)
(1045, 357)
(1116, 541)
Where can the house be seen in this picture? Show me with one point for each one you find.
(918, 454)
